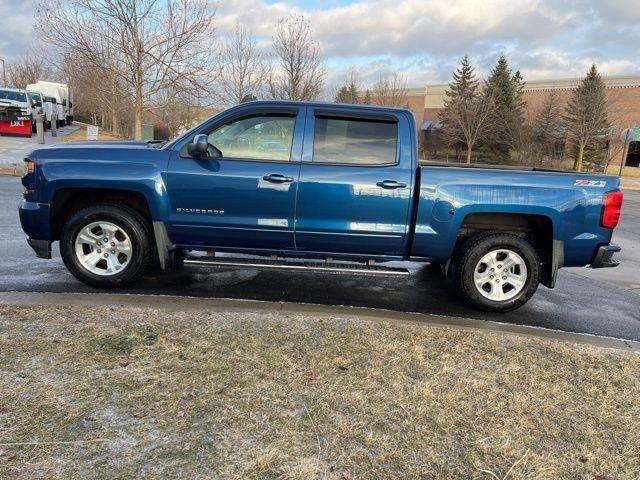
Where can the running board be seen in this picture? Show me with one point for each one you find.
(334, 267)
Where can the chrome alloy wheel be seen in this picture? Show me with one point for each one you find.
(500, 275)
(103, 248)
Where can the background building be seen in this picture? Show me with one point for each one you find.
(623, 94)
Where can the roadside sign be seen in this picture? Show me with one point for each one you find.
(92, 132)
(627, 136)
(631, 134)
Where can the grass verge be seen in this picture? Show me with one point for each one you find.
(81, 135)
(132, 393)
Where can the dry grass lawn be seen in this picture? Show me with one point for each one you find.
(127, 393)
(81, 135)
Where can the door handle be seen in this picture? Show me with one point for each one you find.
(391, 184)
(277, 178)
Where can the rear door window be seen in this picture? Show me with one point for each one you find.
(350, 141)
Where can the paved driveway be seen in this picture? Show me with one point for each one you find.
(599, 302)
(14, 149)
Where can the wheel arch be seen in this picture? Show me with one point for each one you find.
(67, 201)
(538, 229)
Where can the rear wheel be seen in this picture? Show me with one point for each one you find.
(106, 246)
(498, 272)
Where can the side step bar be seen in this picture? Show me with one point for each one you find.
(296, 265)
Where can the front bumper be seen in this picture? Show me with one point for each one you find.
(604, 257)
(35, 221)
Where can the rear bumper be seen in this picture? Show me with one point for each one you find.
(604, 257)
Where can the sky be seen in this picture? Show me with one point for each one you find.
(425, 39)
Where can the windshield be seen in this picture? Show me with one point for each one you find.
(11, 95)
(34, 96)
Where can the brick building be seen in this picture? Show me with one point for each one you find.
(623, 94)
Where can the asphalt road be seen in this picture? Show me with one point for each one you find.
(598, 302)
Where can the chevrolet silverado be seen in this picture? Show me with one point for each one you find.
(313, 187)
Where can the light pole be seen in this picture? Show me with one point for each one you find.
(4, 74)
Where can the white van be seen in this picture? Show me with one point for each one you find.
(62, 93)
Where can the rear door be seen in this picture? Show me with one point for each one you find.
(356, 180)
(246, 198)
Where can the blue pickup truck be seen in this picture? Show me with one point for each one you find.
(316, 187)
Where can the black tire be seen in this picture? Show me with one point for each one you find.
(130, 222)
(471, 254)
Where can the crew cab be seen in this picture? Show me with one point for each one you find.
(317, 187)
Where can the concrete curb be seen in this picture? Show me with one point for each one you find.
(175, 303)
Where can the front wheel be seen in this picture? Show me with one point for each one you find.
(499, 272)
(106, 246)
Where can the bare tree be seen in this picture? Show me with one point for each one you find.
(243, 69)
(468, 114)
(586, 116)
(390, 91)
(149, 46)
(28, 69)
(99, 96)
(175, 117)
(299, 73)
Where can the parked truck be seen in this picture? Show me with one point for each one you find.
(316, 187)
(50, 107)
(40, 107)
(17, 112)
(63, 95)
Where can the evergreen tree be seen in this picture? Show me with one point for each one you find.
(586, 117)
(348, 93)
(367, 98)
(464, 82)
(467, 113)
(548, 129)
(506, 88)
(342, 96)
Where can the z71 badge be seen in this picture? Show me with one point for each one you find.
(590, 183)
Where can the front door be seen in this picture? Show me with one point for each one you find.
(356, 182)
(246, 197)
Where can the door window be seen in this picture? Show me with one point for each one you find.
(354, 141)
(259, 137)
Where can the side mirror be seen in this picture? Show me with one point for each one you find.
(38, 103)
(199, 147)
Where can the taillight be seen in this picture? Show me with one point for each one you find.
(611, 209)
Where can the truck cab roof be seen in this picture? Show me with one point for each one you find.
(328, 105)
